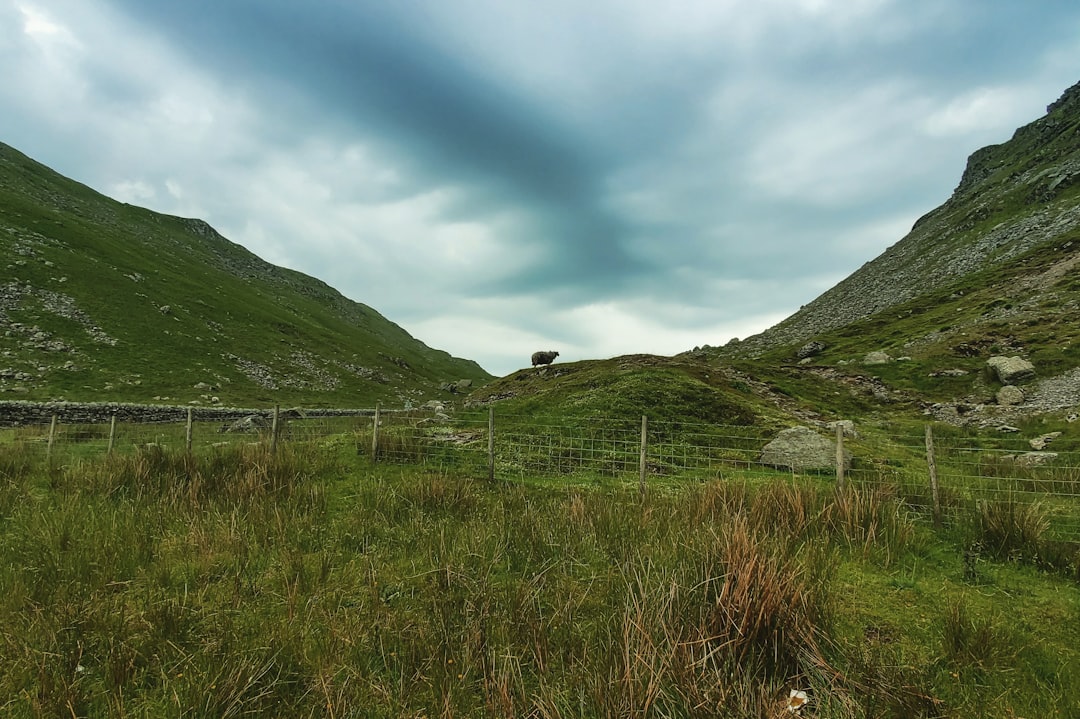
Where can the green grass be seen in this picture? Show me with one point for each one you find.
(313, 583)
(65, 243)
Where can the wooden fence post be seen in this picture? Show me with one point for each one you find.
(932, 466)
(644, 452)
(839, 457)
(187, 434)
(491, 444)
(375, 436)
(112, 433)
(52, 439)
(274, 424)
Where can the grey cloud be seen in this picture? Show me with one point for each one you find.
(690, 176)
(448, 124)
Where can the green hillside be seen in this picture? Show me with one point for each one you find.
(101, 300)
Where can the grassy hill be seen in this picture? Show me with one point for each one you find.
(101, 300)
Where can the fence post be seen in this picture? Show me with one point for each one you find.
(839, 457)
(491, 444)
(375, 436)
(644, 452)
(187, 434)
(52, 438)
(274, 428)
(112, 433)
(932, 466)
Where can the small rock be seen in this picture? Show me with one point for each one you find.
(949, 373)
(876, 358)
(810, 349)
(1034, 459)
(847, 425)
(1010, 395)
(1040, 443)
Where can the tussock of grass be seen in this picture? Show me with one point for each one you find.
(1011, 529)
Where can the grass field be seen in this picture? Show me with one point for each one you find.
(311, 583)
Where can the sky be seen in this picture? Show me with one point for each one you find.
(500, 176)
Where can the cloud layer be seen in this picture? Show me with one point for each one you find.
(596, 178)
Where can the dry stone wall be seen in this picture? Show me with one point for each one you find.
(15, 413)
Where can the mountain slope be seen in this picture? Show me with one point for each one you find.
(100, 300)
(1013, 198)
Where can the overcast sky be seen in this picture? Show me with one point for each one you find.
(502, 176)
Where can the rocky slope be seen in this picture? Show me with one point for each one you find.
(1012, 198)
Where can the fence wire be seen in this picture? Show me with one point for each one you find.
(974, 473)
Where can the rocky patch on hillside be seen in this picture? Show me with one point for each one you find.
(1012, 197)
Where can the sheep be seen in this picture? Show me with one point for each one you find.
(539, 358)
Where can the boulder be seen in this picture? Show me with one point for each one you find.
(810, 349)
(801, 448)
(877, 358)
(462, 385)
(1010, 370)
(1010, 395)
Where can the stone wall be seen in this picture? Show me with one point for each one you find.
(14, 414)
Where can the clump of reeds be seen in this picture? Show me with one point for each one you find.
(1011, 529)
(764, 609)
(871, 520)
(971, 639)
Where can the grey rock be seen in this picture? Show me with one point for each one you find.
(810, 349)
(848, 427)
(949, 373)
(251, 423)
(801, 448)
(1041, 442)
(1034, 459)
(878, 357)
(1010, 370)
(1010, 395)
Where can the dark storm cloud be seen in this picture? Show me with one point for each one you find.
(447, 122)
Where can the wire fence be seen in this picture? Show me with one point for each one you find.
(943, 473)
